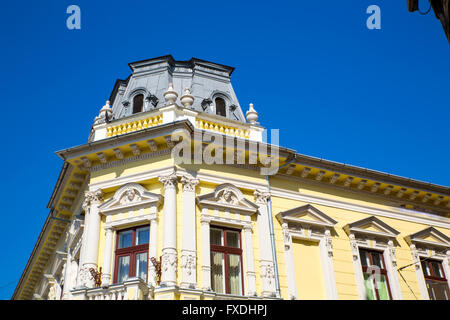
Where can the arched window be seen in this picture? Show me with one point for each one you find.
(138, 103)
(220, 107)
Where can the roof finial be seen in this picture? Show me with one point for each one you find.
(170, 95)
(251, 115)
(105, 114)
(187, 99)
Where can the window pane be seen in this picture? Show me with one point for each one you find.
(425, 268)
(138, 102)
(377, 260)
(142, 235)
(216, 237)
(370, 290)
(125, 239)
(233, 239)
(124, 269)
(364, 258)
(382, 287)
(141, 266)
(220, 107)
(217, 272)
(234, 270)
(438, 290)
(437, 269)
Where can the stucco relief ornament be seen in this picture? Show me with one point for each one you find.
(169, 261)
(354, 246)
(188, 263)
(392, 253)
(286, 236)
(227, 196)
(268, 273)
(329, 243)
(130, 195)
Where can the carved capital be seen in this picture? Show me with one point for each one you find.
(189, 184)
(261, 197)
(92, 198)
(169, 181)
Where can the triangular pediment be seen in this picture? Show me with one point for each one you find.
(429, 237)
(371, 226)
(306, 215)
(227, 197)
(129, 196)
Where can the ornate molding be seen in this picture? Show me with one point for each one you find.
(188, 263)
(329, 243)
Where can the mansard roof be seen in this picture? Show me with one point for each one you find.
(206, 80)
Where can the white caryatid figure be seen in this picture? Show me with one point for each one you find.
(251, 115)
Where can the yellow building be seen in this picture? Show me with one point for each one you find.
(177, 195)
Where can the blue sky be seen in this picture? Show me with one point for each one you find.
(335, 89)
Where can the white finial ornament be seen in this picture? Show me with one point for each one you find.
(187, 99)
(251, 115)
(104, 114)
(170, 95)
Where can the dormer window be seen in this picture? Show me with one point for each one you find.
(220, 107)
(138, 103)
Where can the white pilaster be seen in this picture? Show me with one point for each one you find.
(265, 245)
(153, 248)
(206, 254)
(251, 277)
(188, 247)
(91, 203)
(106, 276)
(169, 250)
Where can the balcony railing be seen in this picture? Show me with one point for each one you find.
(132, 289)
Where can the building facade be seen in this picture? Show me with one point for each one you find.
(177, 195)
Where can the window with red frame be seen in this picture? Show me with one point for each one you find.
(435, 279)
(226, 261)
(375, 275)
(131, 254)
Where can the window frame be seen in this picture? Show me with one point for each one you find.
(383, 270)
(142, 106)
(224, 106)
(432, 277)
(131, 251)
(226, 250)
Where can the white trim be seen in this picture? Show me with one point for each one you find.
(388, 251)
(395, 213)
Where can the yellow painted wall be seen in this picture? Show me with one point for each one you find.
(342, 256)
(308, 270)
